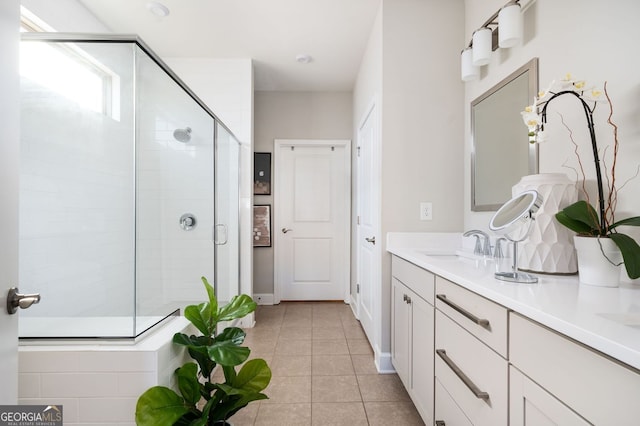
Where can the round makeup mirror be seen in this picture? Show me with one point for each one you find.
(513, 221)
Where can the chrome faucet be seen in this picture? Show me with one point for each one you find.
(497, 251)
(481, 249)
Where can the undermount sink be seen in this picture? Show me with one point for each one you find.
(456, 254)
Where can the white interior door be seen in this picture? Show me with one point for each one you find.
(9, 160)
(311, 233)
(368, 234)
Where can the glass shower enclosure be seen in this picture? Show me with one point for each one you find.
(129, 189)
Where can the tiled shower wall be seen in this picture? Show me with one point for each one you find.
(99, 224)
(100, 384)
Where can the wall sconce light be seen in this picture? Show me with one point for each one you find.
(503, 29)
(481, 46)
(510, 20)
(468, 70)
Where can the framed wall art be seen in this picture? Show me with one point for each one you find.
(262, 225)
(261, 173)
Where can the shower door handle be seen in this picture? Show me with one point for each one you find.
(16, 300)
(216, 234)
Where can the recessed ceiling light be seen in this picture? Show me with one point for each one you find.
(158, 9)
(303, 58)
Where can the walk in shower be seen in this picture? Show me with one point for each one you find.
(129, 189)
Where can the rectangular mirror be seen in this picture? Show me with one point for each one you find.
(500, 150)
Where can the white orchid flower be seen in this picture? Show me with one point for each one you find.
(531, 118)
(594, 95)
(541, 136)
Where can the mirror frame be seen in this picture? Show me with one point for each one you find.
(532, 68)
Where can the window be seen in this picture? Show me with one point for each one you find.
(66, 69)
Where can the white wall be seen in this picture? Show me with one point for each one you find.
(412, 51)
(593, 40)
(74, 17)
(294, 115)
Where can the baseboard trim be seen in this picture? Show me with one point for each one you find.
(354, 307)
(383, 362)
(263, 298)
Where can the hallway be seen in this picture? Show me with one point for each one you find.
(323, 371)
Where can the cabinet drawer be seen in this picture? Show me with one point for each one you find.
(473, 374)
(599, 389)
(484, 319)
(447, 412)
(414, 277)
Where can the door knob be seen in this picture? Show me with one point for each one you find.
(285, 230)
(371, 240)
(16, 300)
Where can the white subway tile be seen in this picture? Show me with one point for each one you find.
(134, 384)
(106, 410)
(29, 385)
(70, 385)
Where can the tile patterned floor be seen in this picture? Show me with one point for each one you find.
(323, 371)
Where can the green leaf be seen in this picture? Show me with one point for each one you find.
(580, 212)
(200, 316)
(630, 253)
(255, 376)
(201, 356)
(630, 221)
(213, 301)
(229, 373)
(235, 334)
(574, 225)
(159, 406)
(227, 353)
(188, 383)
(238, 307)
(195, 341)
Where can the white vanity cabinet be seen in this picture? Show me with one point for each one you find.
(470, 364)
(467, 360)
(413, 333)
(563, 382)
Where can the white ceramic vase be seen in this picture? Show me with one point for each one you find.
(594, 268)
(549, 248)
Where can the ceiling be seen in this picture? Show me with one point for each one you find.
(271, 32)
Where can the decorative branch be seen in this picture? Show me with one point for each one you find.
(594, 147)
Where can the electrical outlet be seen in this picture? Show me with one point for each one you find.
(426, 211)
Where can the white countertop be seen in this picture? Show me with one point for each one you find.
(606, 319)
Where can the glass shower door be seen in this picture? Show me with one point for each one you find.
(227, 232)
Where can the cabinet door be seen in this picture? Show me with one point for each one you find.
(422, 353)
(447, 411)
(401, 331)
(531, 405)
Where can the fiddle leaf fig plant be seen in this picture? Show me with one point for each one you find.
(201, 401)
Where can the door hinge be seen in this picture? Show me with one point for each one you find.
(357, 288)
(358, 221)
(358, 151)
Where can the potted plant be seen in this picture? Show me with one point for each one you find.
(581, 217)
(201, 401)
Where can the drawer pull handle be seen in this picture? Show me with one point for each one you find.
(467, 381)
(440, 423)
(480, 321)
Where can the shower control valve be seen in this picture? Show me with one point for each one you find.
(187, 221)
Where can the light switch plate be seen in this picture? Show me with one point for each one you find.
(426, 211)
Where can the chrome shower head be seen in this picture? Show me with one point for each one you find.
(182, 135)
